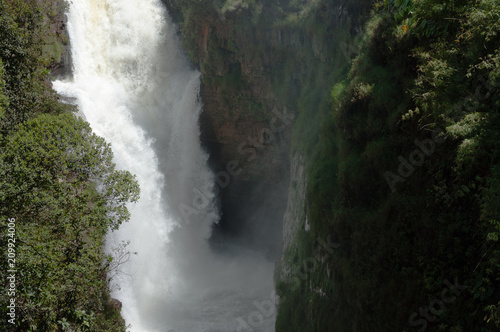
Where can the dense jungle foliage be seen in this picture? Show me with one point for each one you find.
(404, 175)
(59, 190)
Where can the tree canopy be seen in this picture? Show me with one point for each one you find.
(60, 191)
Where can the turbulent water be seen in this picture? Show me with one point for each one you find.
(133, 85)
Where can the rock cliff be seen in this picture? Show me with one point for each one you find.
(56, 48)
(268, 69)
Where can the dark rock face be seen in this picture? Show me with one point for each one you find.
(57, 48)
(117, 305)
(261, 66)
(244, 127)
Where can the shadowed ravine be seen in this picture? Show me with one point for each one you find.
(134, 86)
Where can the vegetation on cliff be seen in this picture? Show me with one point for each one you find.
(405, 178)
(59, 190)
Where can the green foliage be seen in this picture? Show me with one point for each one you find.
(65, 194)
(58, 181)
(25, 72)
(59, 155)
(427, 65)
(3, 98)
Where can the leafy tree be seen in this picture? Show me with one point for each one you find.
(59, 182)
(25, 71)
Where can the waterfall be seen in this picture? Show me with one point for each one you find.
(132, 83)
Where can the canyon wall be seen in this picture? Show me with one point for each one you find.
(267, 73)
(267, 69)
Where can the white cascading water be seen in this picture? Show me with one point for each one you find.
(133, 85)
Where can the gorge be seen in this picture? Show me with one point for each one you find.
(304, 165)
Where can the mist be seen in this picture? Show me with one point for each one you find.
(204, 259)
